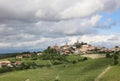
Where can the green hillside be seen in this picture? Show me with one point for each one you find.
(112, 75)
(80, 71)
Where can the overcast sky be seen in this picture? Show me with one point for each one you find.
(30, 25)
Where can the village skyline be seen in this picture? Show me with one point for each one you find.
(70, 44)
(82, 48)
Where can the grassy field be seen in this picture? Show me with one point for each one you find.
(38, 61)
(81, 71)
(112, 75)
(74, 57)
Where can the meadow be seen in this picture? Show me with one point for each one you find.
(81, 71)
(112, 75)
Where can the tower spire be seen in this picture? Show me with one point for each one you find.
(66, 43)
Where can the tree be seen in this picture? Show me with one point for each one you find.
(53, 55)
(116, 58)
(107, 55)
(85, 58)
(116, 46)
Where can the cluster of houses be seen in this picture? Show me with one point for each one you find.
(9, 63)
(82, 48)
(5, 63)
(23, 55)
(16, 63)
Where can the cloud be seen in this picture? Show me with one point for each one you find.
(110, 5)
(4, 45)
(70, 27)
(29, 23)
(53, 9)
(82, 9)
(98, 40)
(106, 24)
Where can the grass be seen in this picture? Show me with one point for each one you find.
(112, 75)
(74, 57)
(38, 61)
(86, 71)
(81, 71)
(33, 75)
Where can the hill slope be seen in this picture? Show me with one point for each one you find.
(81, 71)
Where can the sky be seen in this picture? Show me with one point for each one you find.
(33, 25)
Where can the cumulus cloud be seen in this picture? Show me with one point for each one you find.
(97, 40)
(27, 23)
(106, 24)
(70, 27)
(54, 9)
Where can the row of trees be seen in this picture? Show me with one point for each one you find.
(22, 66)
(115, 57)
(54, 56)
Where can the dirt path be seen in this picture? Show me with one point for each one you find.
(102, 74)
(94, 56)
(58, 75)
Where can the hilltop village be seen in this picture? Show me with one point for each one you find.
(56, 55)
(82, 48)
(66, 49)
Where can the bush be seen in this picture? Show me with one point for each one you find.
(48, 65)
(40, 66)
(56, 80)
(56, 63)
(5, 69)
(34, 58)
(116, 62)
(85, 58)
(74, 61)
(108, 55)
(116, 58)
(80, 60)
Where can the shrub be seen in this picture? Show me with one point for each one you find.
(57, 63)
(74, 61)
(80, 60)
(56, 80)
(85, 58)
(5, 69)
(108, 55)
(116, 62)
(34, 58)
(116, 58)
(48, 65)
